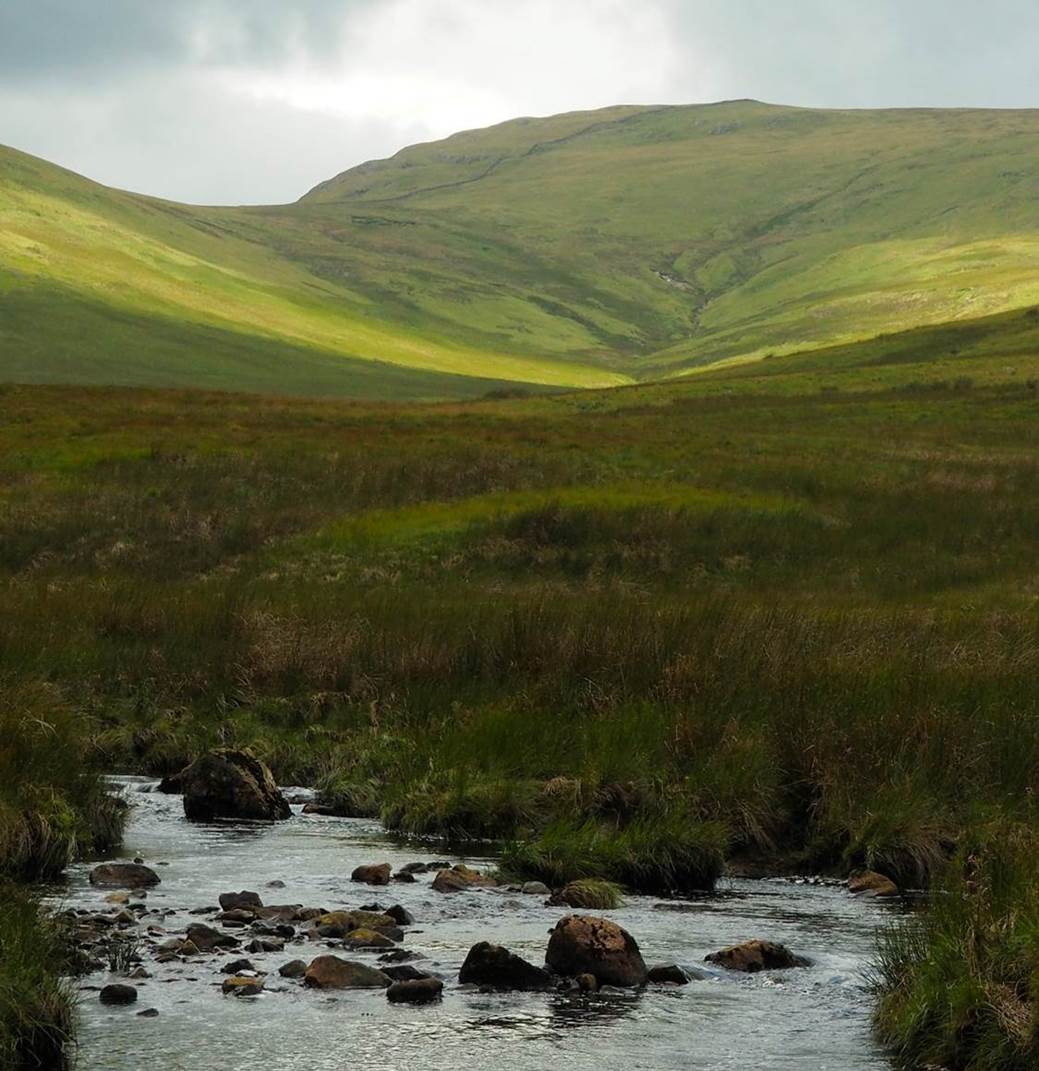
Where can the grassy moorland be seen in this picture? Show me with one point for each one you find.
(780, 614)
(580, 250)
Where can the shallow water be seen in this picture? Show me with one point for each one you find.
(803, 1020)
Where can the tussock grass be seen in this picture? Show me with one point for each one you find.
(53, 806)
(654, 853)
(957, 987)
(591, 894)
(36, 1003)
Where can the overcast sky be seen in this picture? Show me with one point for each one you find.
(236, 101)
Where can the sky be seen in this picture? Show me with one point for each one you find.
(256, 101)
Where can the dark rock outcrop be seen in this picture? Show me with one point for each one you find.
(753, 956)
(240, 901)
(497, 967)
(401, 915)
(171, 784)
(669, 974)
(583, 944)
(460, 877)
(237, 966)
(415, 991)
(231, 784)
(331, 972)
(870, 883)
(403, 972)
(372, 874)
(118, 994)
(124, 876)
(206, 939)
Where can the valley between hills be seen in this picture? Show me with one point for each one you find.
(639, 501)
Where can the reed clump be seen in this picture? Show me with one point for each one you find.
(958, 986)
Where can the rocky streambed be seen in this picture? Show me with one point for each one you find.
(296, 975)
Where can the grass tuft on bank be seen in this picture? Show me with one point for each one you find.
(53, 803)
(958, 987)
(37, 1000)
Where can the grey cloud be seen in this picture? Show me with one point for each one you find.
(136, 92)
(888, 53)
(179, 140)
(68, 41)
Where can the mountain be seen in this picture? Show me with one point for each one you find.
(585, 249)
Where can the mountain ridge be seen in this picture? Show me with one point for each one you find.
(584, 249)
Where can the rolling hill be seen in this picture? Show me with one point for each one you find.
(582, 250)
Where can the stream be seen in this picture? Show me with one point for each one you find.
(815, 1019)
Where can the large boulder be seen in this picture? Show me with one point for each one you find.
(372, 874)
(870, 883)
(331, 972)
(583, 944)
(460, 877)
(753, 956)
(495, 966)
(124, 876)
(231, 784)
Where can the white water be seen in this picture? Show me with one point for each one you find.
(803, 1020)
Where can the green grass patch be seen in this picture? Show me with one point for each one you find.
(957, 986)
(37, 1004)
(661, 854)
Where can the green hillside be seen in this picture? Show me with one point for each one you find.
(100, 286)
(588, 249)
(678, 236)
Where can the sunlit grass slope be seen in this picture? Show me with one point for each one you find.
(673, 236)
(99, 286)
(581, 250)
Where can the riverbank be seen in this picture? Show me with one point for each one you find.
(803, 1019)
(54, 808)
(640, 634)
